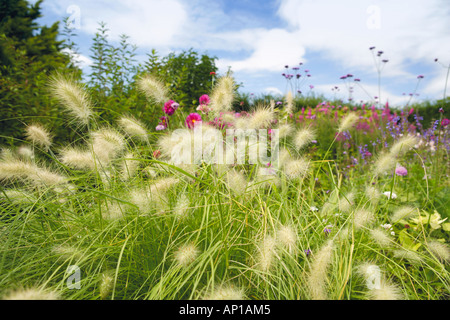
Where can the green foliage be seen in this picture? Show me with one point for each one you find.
(187, 75)
(28, 55)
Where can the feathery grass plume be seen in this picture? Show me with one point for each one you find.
(38, 135)
(261, 118)
(222, 95)
(67, 251)
(303, 137)
(7, 155)
(440, 250)
(236, 182)
(159, 193)
(317, 277)
(150, 172)
(373, 194)
(134, 128)
(296, 168)
(266, 253)
(32, 294)
(113, 210)
(182, 206)
(17, 196)
(362, 218)
(381, 237)
(25, 152)
(153, 88)
(346, 202)
(384, 164)
(12, 169)
(408, 255)
(186, 254)
(371, 273)
(107, 144)
(178, 148)
(284, 156)
(290, 107)
(141, 197)
(386, 291)
(348, 122)
(404, 212)
(284, 130)
(106, 284)
(241, 123)
(225, 292)
(263, 180)
(129, 166)
(43, 176)
(73, 97)
(287, 238)
(78, 159)
(403, 145)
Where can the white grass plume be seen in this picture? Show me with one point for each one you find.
(261, 118)
(440, 250)
(284, 130)
(134, 128)
(287, 238)
(296, 168)
(153, 89)
(25, 152)
(362, 218)
(32, 294)
(384, 164)
(225, 292)
(290, 106)
(73, 97)
(107, 144)
(266, 253)
(403, 145)
(129, 166)
(182, 206)
(186, 254)
(348, 122)
(303, 137)
(381, 237)
(78, 159)
(39, 135)
(317, 277)
(236, 182)
(222, 96)
(403, 212)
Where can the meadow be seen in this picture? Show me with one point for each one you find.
(355, 208)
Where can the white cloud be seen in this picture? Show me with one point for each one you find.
(273, 90)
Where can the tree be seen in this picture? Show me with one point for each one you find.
(28, 54)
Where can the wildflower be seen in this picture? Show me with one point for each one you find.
(204, 99)
(191, 120)
(73, 97)
(39, 135)
(308, 252)
(186, 254)
(390, 195)
(401, 171)
(445, 122)
(170, 107)
(160, 127)
(317, 277)
(313, 208)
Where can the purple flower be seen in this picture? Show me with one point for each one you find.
(420, 76)
(160, 127)
(401, 171)
(308, 252)
(445, 122)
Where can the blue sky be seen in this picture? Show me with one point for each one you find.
(258, 38)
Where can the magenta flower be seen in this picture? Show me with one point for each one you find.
(445, 122)
(401, 171)
(204, 99)
(192, 119)
(170, 107)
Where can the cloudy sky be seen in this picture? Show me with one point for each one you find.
(257, 39)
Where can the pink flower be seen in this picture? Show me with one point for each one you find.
(401, 171)
(204, 99)
(170, 107)
(445, 122)
(192, 119)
